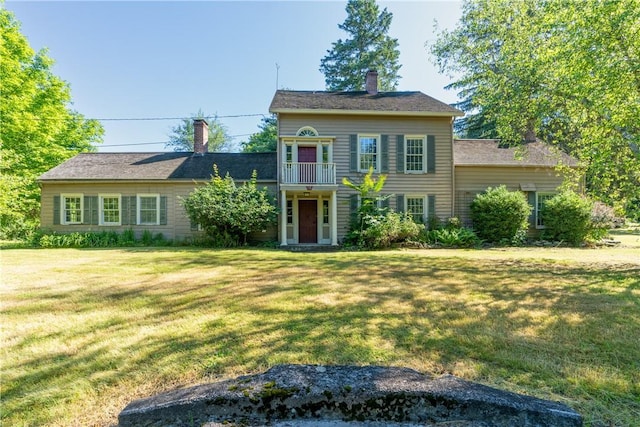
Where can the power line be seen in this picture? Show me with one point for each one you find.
(123, 119)
(158, 142)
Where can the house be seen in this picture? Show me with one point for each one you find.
(322, 137)
(141, 191)
(531, 168)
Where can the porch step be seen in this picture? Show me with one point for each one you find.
(310, 248)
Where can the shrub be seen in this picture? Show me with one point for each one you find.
(567, 217)
(451, 237)
(500, 215)
(382, 230)
(224, 209)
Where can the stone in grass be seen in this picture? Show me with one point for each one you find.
(334, 396)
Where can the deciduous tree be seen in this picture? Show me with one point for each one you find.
(566, 72)
(181, 137)
(369, 47)
(38, 128)
(264, 141)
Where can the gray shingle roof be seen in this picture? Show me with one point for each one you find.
(411, 103)
(163, 166)
(489, 152)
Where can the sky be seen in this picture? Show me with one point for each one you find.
(161, 61)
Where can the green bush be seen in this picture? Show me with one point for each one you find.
(103, 239)
(501, 216)
(567, 218)
(450, 237)
(382, 230)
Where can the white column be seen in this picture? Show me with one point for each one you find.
(283, 218)
(334, 218)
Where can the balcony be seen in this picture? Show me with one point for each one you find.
(308, 173)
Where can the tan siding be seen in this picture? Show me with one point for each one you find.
(341, 127)
(472, 180)
(178, 226)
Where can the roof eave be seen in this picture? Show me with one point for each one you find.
(366, 112)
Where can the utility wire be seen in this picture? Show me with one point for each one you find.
(122, 119)
(159, 142)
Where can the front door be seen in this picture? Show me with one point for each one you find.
(308, 220)
(307, 160)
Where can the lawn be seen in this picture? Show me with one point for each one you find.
(86, 331)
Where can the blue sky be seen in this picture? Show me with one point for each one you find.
(169, 59)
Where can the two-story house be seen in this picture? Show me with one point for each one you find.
(322, 138)
(325, 136)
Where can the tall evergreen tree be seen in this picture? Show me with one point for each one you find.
(39, 130)
(368, 48)
(264, 141)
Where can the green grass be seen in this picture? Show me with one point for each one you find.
(87, 331)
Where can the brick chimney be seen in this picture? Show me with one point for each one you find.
(200, 136)
(371, 82)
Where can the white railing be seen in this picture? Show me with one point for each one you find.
(308, 173)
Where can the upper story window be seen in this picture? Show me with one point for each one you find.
(307, 131)
(72, 206)
(415, 154)
(148, 209)
(368, 152)
(110, 209)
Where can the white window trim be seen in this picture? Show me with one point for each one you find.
(138, 206)
(63, 209)
(378, 151)
(424, 153)
(537, 211)
(425, 205)
(101, 198)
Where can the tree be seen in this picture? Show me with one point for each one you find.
(264, 141)
(229, 213)
(181, 137)
(369, 48)
(566, 72)
(39, 130)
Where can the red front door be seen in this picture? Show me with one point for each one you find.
(307, 160)
(308, 221)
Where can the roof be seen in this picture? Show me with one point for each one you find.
(489, 152)
(400, 103)
(163, 166)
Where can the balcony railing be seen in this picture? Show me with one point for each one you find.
(308, 173)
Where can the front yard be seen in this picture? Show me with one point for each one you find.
(86, 331)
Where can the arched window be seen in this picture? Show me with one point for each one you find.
(307, 131)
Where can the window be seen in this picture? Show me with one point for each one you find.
(541, 199)
(148, 209)
(416, 208)
(289, 212)
(289, 153)
(72, 206)
(110, 209)
(325, 212)
(368, 146)
(325, 154)
(414, 154)
(307, 131)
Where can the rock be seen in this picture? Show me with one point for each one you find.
(336, 396)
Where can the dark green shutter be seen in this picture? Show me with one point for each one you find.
(56, 210)
(531, 198)
(400, 154)
(385, 201)
(353, 153)
(431, 154)
(128, 210)
(90, 210)
(353, 203)
(400, 203)
(431, 201)
(384, 153)
(163, 210)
